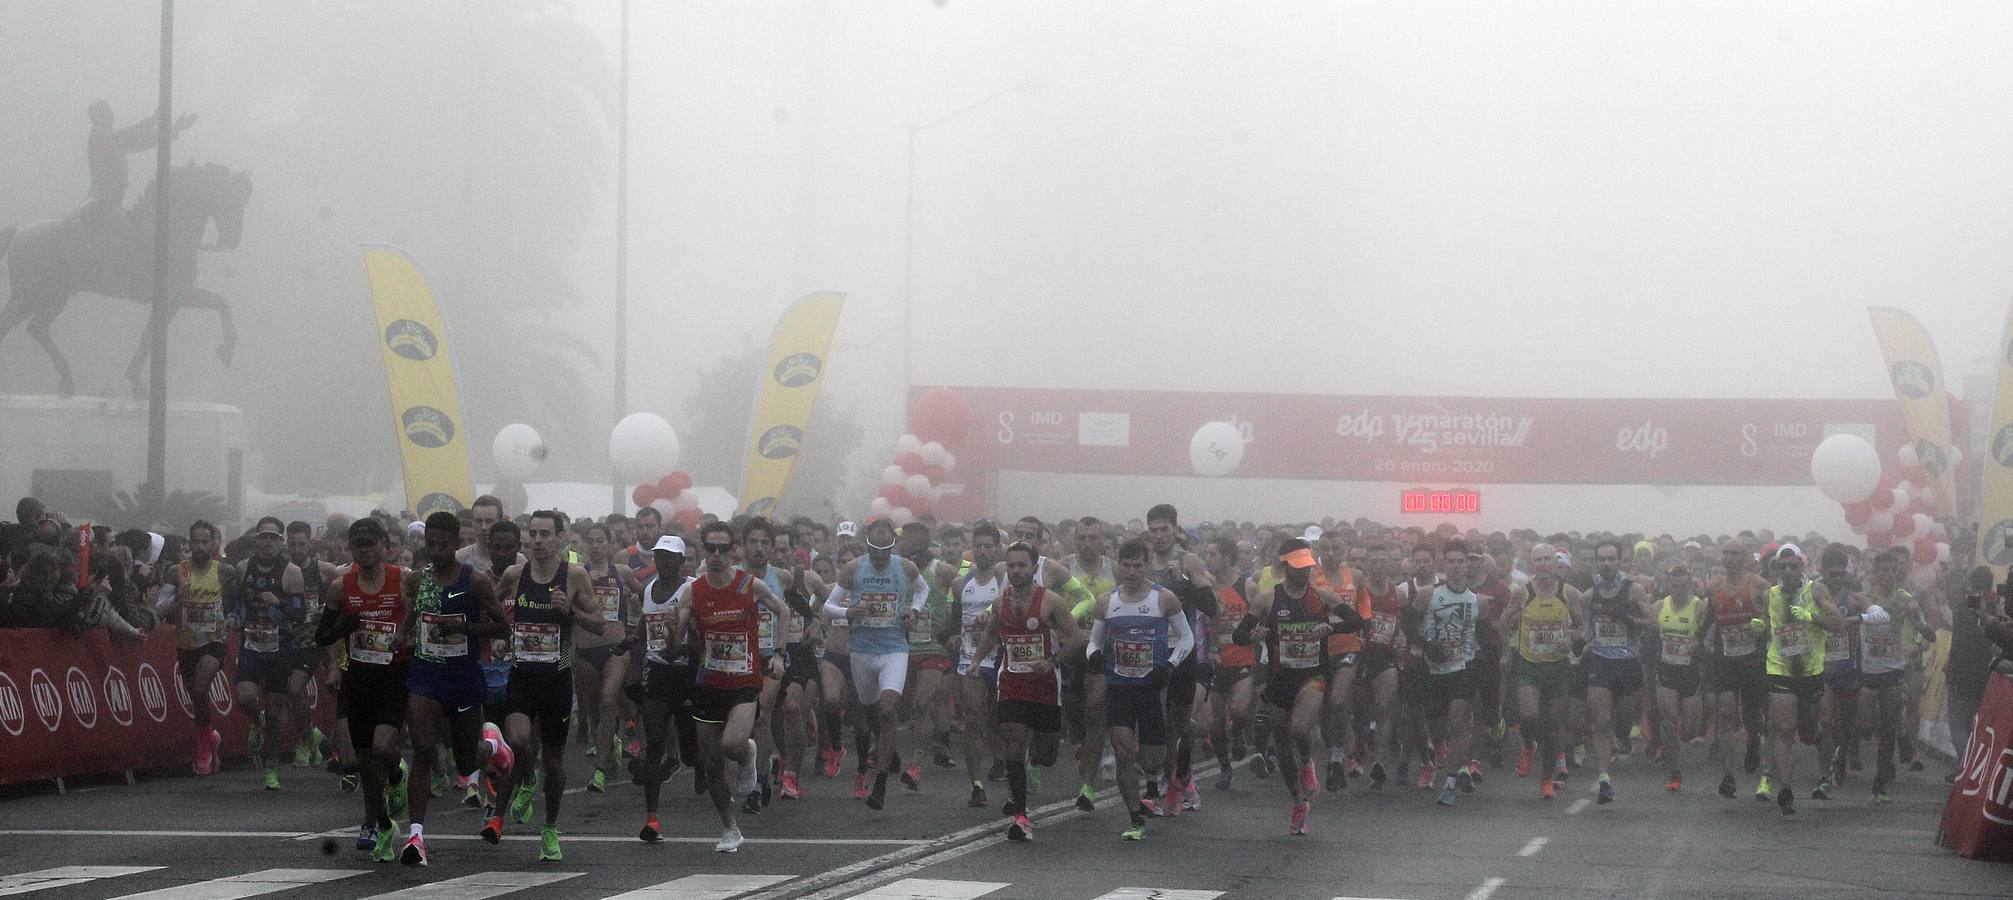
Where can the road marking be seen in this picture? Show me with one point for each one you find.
(478, 886)
(1532, 848)
(931, 889)
(703, 887)
(1140, 893)
(1578, 806)
(1487, 889)
(250, 884)
(64, 876)
(631, 839)
(82, 832)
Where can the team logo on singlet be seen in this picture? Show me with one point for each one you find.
(1913, 379)
(798, 369)
(1934, 460)
(411, 340)
(780, 442)
(426, 426)
(437, 502)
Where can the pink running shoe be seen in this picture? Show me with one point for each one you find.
(1297, 825)
(502, 756)
(1310, 781)
(1426, 777)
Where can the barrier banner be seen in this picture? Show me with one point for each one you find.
(1917, 375)
(425, 403)
(86, 705)
(1978, 817)
(784, 397)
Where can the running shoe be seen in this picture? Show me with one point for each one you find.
(1447, 794)
(1426, 777)
(943, 758)
(302, 755)
(1377, 776)
(753, 805)
(1822, 791)
(1223, 779)
(1191, 799)
(790, 789)
(998, 772)
(1355, 766)
(978, 795)
(912, 777)
(318, 749)
(386, 848)
(1546, 789)
(828, 763)
(1524, 762)
(1880, 793)
(1606, 793)
(439, 785)
(1150, 809)
(473, 797)
(414, 853)
(860, 786)
(1259, 762)
(349, 782)
(1020, 828)
(1785, 800)
(1085, 799)
(730, 841)
(1727, 788)
(1310, 783)
(1676, 783)
(548, 844)
(599, 783)
(1297, 823)
(1464, 780)
(395, 797)
(1475, 770)
(492, 827)
(272, 779)
(651, 830)
(366, 836)
(878, 797)
(520, 804)
(1136, 833)
(501, 757)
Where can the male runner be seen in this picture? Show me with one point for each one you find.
(269, 605)
(800, 661)
(1735, 673)
(1034, 628)
(972, 605)
(1883, 657)
(307, 656)
(1682, 619)
(1184, 575)
(200, 608)
(1140, 634)
(1344, 649)
(1837, 712)
(450, 608)
(1613, 659)
(886, 594)
(667, 679)
(1294, 623)
(929, 664)
(552, 597)
(368, 611)
(1229, 715)
(1377, 664)
(1545, 625)
(1084, 685)
(1795, 607)
(1445, 630)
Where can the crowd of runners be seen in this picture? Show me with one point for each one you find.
(761, 657)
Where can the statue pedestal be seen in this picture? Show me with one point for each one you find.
(73, 452)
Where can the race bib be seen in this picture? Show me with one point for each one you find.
(656, 632)
(1548, 639)
(1383, 627)
(1299, 649)
(262, 637)
(1792, 638)
(1834, 644)
(373, 642)
(795, 633)
(727, 653)
(1131, 659)
(1025, 651)
(535, 642)
(1610, 633)
(874, 609)
(765, 629)
(1736, 641)
(435, 638)
(206, 621)
(919, 629)
(609, 599)
(1884, 648)
(1679, 648)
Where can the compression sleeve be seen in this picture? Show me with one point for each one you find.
(835, 603)
(1874, 615)
(1184, 638)
(1077, 591)
(919, 592)
(1096, 642)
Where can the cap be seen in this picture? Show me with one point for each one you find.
(1312, 534)
(270, 525)
(155, 543)
(1790, 550)
(1564, 558)
(416, 529)
(1296, 554)
(670, 543)
(848, 529)
(1692, 545)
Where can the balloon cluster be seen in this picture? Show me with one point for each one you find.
(911, 485)
(672, 497)
(1887, 510)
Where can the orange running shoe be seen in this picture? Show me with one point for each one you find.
(1524, 762)
(651, 830)
(1546, 789)
(492, 829)
(1676, 782)
(790, 789)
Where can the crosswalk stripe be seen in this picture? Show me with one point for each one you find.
(1140, 893)
(931, 889)
(250, 884)
(478, 886)
(63, 876)
(703, 887)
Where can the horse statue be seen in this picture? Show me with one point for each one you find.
(49, 261)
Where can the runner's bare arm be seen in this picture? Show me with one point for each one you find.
(495, 624)
(581, 605)
(1069, 637)
(768, 598)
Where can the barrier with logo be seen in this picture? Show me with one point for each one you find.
(1978, 817)
(84, 705)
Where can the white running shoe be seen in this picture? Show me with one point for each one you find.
(730, 841)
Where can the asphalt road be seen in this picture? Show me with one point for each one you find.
(184, 838)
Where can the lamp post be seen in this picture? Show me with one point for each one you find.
(616, 498)
(156, 489)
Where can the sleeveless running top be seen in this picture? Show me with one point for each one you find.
(975, 599)
(728, 632)
(1291, 638)
(311, 604)
(607, 589)
(1678, 630)
(1025, 641)
(1342, 642)
(202, 607)
(657, 636)
(1380, 627)
(1613, 637)
(539, 640)
(441, 605)
(875, 618)
(265, 623)
(1099, 583)
(1230, 653)
(1544, 627)
(922, 634)
(1733, 615)
(1794, 648)
(1450, 623)
(1883, 648)
(375, 640)
(1135, 638)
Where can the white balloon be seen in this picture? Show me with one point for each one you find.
(1880, 522)
(879, 506)
(917, 486)
(893, 475)
(665, 508)
(1901, 495)
(908, 443)
(517, 452)
(644, 447)
(1845, 467)
(950, 462)
(1924, 523)
(686, 501)
(1942, 552)
(933, 453)
(1909, 459)
(1216, 449)
(901, 516)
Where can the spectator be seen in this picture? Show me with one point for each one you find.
(38, 599)
(113, 597)
(1968, 667)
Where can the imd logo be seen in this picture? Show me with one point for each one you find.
(426, 426)
(798, 369)
(83, 701)
(780, 442)
(1913, 379)
(411, 340)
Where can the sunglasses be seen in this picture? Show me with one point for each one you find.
(718, 548)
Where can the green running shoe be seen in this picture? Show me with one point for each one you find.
(272, 779)
(1135, 833)
(386, 848)
(520, 804)
(1762, 791)
(599, 783)
(301, 757)
(395, 796)
(439, 784)
(548, 845)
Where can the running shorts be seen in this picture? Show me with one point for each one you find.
(878, 673)
(547, 698)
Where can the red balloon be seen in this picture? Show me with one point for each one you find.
(1925, 552)
(681, 481)
(921, 506)
(645, 494)
(1856, 514)
(1882, 498)
(896, 494)
(668, 485)
(935, 474)
(911, 462)
(690, 518)
(942, 415)
(1904, 528)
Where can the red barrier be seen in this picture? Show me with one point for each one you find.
(78, 706)
(1978, 817)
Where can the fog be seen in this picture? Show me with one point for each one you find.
(1561, 200)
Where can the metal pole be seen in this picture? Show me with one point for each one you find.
(909, 284)
(156, 489)
(617, 498)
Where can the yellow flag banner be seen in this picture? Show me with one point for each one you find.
(787, 394)
(1918, 384)
(426, 406)
(1995, 497)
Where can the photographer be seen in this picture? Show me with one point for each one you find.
(1979, 633)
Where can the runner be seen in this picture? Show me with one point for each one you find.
(1377, 664)
(1139, 633)
(1034, 629)
(800, 661)
(1613, 661)
(1229, 714)
(929, 700)
(1736, 676)
(604, 656)
(268, 602)
(1682, 620)
(1546, 625)
(972, 605)
(1445, 630)
(200, 610)
(886, 594)
(370, 610)
(307, 656)
(1183, 574)
(1294, 623)
(551, 598)
(667, 679)
(450, 608)
(1092, 569)
(1795, 663)
(721, 607)
(1837, 712)
(1883, 660)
